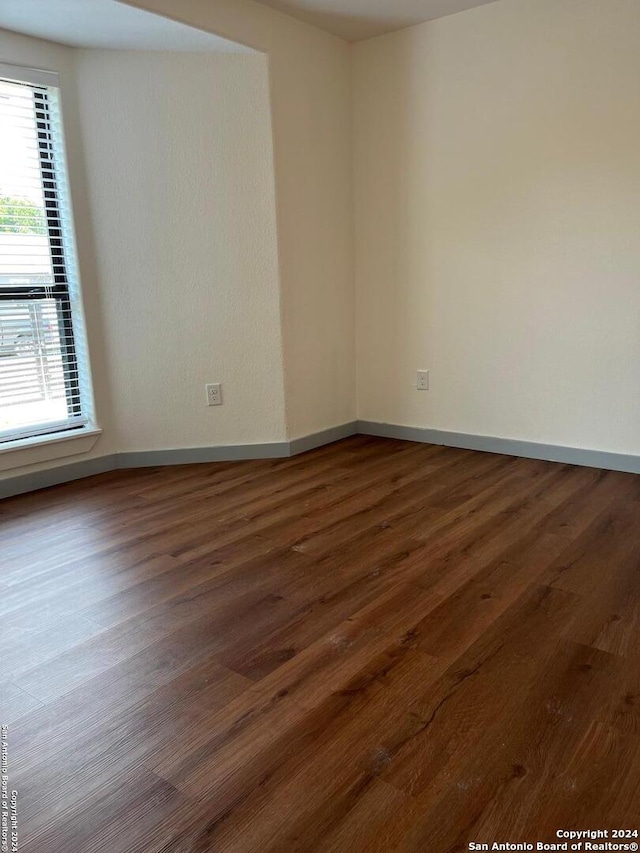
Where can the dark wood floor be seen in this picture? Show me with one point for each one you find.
(376, 646)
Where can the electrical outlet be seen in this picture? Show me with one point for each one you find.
(214, 394)
(423, 380)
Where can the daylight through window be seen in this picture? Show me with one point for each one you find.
(44, 381)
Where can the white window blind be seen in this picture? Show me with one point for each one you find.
(44, 377)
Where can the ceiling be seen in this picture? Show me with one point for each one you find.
(108, 24)
(355, 20)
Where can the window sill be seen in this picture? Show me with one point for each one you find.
(45, 448)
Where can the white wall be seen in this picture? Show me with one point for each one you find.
(180, 173)
(310, 77)
(498, 223)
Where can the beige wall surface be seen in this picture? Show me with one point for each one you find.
(180, 174)
(498, 223)
(310, 77)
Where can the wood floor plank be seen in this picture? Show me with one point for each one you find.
(117, 745)
(42, 641)
(376, 646)
(315, 763)
(116, 819)
(176, 669)
(15, 703)
(474, 690)
(521, 780)
(50, 680)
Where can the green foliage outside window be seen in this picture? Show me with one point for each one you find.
(21, 216)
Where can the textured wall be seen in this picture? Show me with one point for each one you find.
(498, 226)
(310, 76)
(180, 172)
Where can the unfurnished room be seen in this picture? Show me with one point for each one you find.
(319, 426)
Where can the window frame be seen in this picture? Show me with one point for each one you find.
(65, 289)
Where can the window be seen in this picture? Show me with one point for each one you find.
(44, 380)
